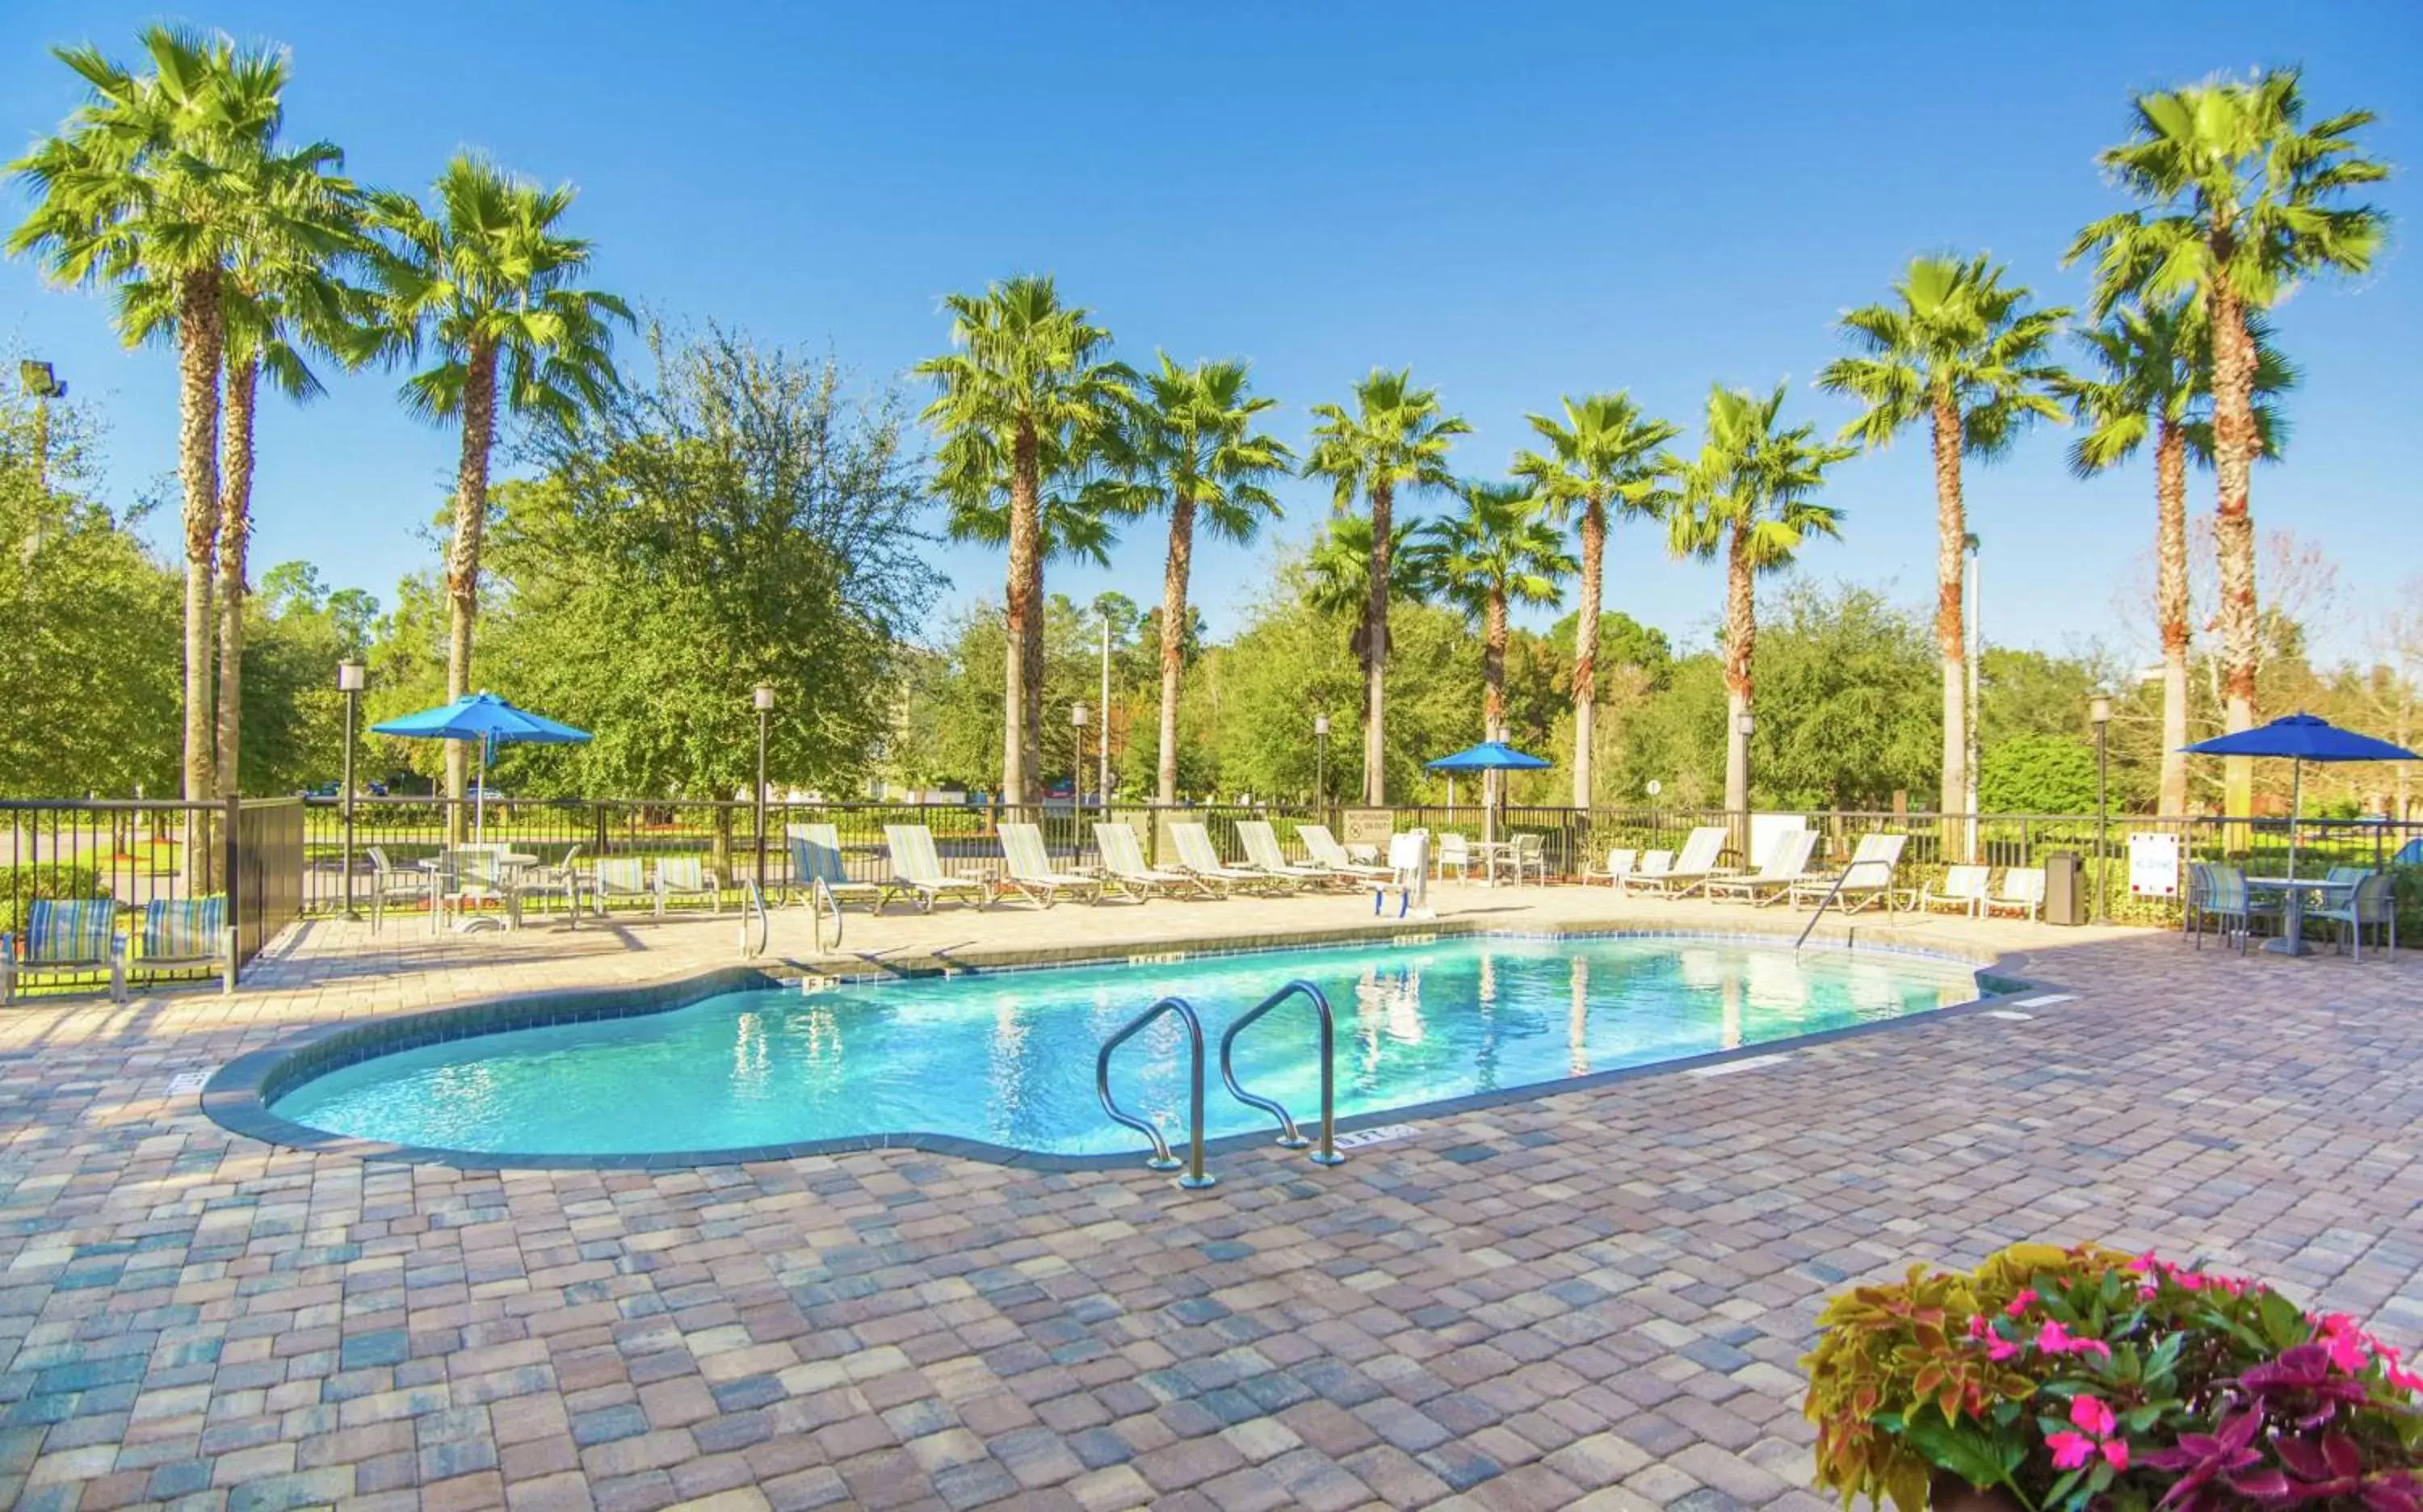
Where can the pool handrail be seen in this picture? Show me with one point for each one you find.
(1161, 1159)
(752, 909)
(1290, 1138)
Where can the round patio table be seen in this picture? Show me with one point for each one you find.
(2293, 892)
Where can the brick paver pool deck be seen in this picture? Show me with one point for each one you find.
(1593, 1298)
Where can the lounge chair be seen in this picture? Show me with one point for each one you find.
(1786, 866)
(1867, 878)
(1526, 852)
(916, 869)
(2023, 892)
(1261, 843)
(687, 877)
(1123, 864)
(816, 857)
(2372, 904)
(1964, 889)
(65, 936)
(1620, 863)
(1030, 867)
(1654, 863)
(1694, 866)
(1197, 857)
(619, 879)
(1326, 850)
(185, 935)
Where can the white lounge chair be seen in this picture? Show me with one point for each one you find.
(1963, 888)
(1694, 865)
(1261, 843)
(1620, 863)
(619, 879)
(1326, 850)
(1868, 878)
(1655, 864)
(1197, 857)
(816, 857)
(2023, 891)
(1030, 867)
(687, 877)
(916, 869)
(1124, 865)
(1786, 865)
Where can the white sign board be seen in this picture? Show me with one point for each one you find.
(2153, 865)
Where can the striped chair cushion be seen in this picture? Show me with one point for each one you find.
(184, 928)
(70, 929)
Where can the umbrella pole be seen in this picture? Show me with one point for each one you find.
(479, 804)
(2296, 807)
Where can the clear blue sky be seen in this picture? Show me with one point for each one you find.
(1518, 201)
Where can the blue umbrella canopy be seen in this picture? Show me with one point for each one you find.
(1490, 756)
(2304, 738)
(482, 717)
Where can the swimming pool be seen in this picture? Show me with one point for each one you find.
(1006, 1059)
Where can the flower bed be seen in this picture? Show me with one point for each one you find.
(2078, 1378)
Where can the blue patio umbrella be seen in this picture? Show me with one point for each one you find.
(2302, 738)
(489, 720)
(1490, 756)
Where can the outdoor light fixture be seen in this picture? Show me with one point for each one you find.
(349, 677)
(2098, 708)
(1077, 715)
(1746, 722)
(1321, 724)
(763, 698)
(349, 682)
(2098, 713)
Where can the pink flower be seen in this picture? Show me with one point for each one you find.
(2117, 1452)
(1976, 1326)
(2092, 1415)
(2054, 1339)
(2070, 1451)
(2002, 1349)
(2020, 1303)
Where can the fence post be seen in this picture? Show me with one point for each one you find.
(233, 855)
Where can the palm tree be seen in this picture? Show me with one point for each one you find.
(487, 278)
(1338, 574)
(1750, 494)
(1961, 351)
(1497, 553)
(1027, 383)
(1604, 452)
(2244, 201)
(158, 179)
(1397, 438)
(2155, 367)
(1197, 448)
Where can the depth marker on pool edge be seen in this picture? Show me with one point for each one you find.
(1752, 1063)
(2046, 1000)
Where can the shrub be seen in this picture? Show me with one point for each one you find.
(20, 885)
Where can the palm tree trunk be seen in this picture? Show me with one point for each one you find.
(235, 534)
(1493, 683)
(1741, 644)
(1375, 649)
(1173, 639)
(1025, 545)
(1952, 539)
(462, 557)
(1036, 670)
(199, 353)
(1586, 648)
(2234, 445)
(2171, 608)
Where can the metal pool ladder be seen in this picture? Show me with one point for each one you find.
(1161, 1159)
(1290, 1138)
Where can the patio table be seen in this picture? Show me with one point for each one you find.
(1488, 853)
(2293, 891)
(508, 864)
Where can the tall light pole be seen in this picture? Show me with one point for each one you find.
(349, 682)
(1321, 764)
(1077, 773)
(41, 382)
(1976, 658)
(1745, 725)
(2099, 710)
(1103, 788)
(763, 698)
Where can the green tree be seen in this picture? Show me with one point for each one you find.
(1028, 386)
(2241, 202)
(1498, 552)
(1197, 450)
(1603, 452)
(1749, 496)
(1851, 718)
(1397, 438)
(2153, 374)
(487, 279)
(2037, 774)
(1956, 349)
(1337, 575)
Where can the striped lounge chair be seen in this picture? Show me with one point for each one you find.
(65, 936)
(184, 934)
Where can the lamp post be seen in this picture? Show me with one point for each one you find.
(1321, 764)
(2099, 710)
(1077, 775)
(349, 682)
(1103, 788)
(763, 698)
(1744, 724)
(40, 381)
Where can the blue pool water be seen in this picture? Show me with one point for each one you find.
(1008, 1057)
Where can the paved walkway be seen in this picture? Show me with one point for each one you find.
(1593, 1298)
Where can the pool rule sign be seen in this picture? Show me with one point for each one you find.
(2153, 865)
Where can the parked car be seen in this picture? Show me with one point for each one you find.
(328, 792)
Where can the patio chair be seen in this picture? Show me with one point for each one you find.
(1620, 863)
(469, 875)
(1696, 864)
(1868, 878)
(391, 885)
(2220, 893)
(619, 879)
(1326, 850)
(915, 868)
(2372, 904)
(1786, 866)
(1963, 888)
(816, 857)
(1455, 850)
(185, 935)
(1261, 843)
(65, 936)
(687, 877)
(1527, 853)
(1197, 857)
(560, 880)
(2022, 893)
(1030, 867)
(1123, 864)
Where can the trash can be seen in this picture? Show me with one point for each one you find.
(2065, 899)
